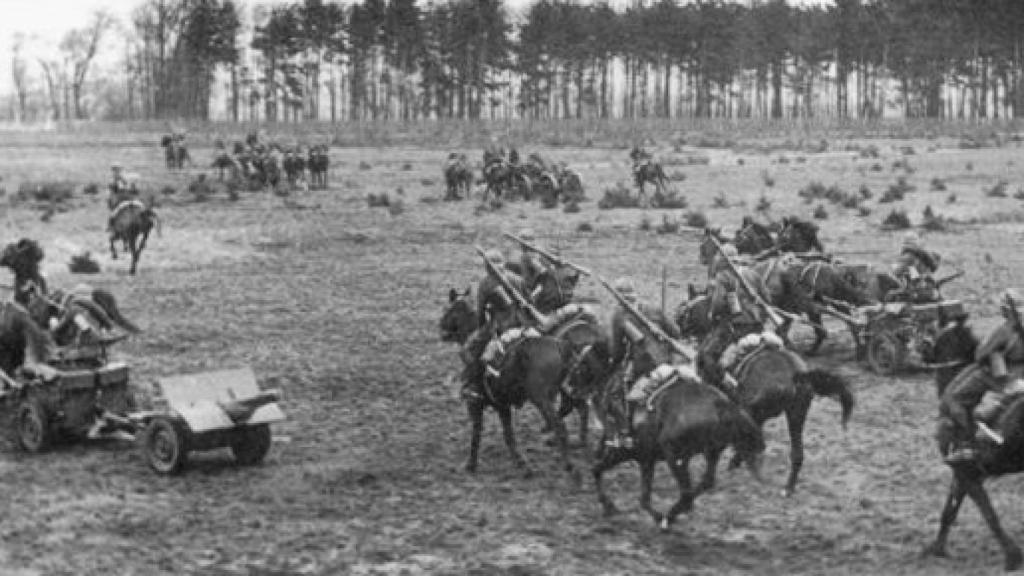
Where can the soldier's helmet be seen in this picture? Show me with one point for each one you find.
(494, 256)
(625, 287)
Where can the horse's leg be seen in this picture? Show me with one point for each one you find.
(609, 459)
(505, 414)
(475, 408)
(113, 248)
(796, 416)
(711, 458)
(583, 413)
(680, 467)
(819, 331)
(135, 254)
(646, 481)
(547, 409)
(977, 493)
(949, 512)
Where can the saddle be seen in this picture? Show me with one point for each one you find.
(565, 315)
(124, 205)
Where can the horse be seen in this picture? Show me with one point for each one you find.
(753, 237)
(131, 223)
(225, 163)
(776, 382)
(798, 236)
(458, 177)
(501, 176)
(645, 170)
(318, 163)
(175, 152)
(23, 258)
(954, 350)
(459, 318)
(683, 420)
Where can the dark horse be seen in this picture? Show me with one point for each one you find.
(798, 236)
(645, 170)
(23, 258)
(955, 348)
(686, 419)
(753, 237)
(131, 223)
(175, 152)
(458, 177)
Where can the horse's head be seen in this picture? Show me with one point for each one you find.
(707, 247)
(556, 285)
(692, 316)
(752, 237)
(953, 349)
(459, 319)
(22, 257)
(799, 236)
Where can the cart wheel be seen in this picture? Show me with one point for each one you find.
(250, 444)
(885, 353)
(165, 444)
(33, 422)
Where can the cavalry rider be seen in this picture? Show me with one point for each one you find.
(1003, 347)
(915, 268)
(497, 312)
(121, 191)
(640, 157)
(531, 263)
(734, 314)
(636, 350)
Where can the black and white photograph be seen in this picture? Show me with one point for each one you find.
(511, 287)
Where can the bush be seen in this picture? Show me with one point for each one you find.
(721, 201)
(896, 220)
(863, 211)
(378, 200)
(767, 178)
(677, 176)
(571, 207)
(969, 166)
(998, 190)
(427, 182)
(1019, 194)
(584, 227)
(46, 191)
(865, 192)
(876, 167)
(696, 219)
(618, 197)
(668, 225)
(83, 264)
(820, 213)
(396, 207)
(407, 166)
(907, 150)
(932, 221)
(168, 190)
(763, 204)
(668, 201)
(91, 189)
(896, 191)
(200, 189)
(645, 224)
(870, 151)
(951, 199)
(364, 165)
(938, 185)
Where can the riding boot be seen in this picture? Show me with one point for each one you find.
(472, 382)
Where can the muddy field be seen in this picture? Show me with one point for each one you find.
(337, 304)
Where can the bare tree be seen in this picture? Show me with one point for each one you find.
(19, 74)
(80, 45)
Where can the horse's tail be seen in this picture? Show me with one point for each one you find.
(825, 383)
(151, 214)
(106, 301)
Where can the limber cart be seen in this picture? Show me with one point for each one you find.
(83, 395)
(901, 334)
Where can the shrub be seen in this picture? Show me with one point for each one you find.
(865, 192)
(998, 190)
(83, 263)
(863, 211)
(200, 189)
(168, 190)
(876, 167)
(721, 201)
(820, 213)
(677, 176)
(91, 189)
(668, 225)
(951, 199)
(618, 197)
(1019, 194)
(767, 178)
(571, 207)
(938, 185)
(364, 165)
(45, 191)
(896, 220)
(932, 221)
(907, 150)
(426, 182)
(763, 204)
(969, 166)
(645, 224)
(584, 227)
(396, 207)
(668, 201)
(696, 219)
(378, 200)
(870, 151)
(407, 166)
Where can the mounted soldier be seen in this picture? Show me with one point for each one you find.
(643, 341)
(531, 263)
(498, 312)
(971, 401)
(915, 270)
(735, 313)
(122, 192)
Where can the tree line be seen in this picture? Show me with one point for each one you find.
(473, 59)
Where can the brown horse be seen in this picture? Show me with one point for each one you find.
(753, 237)
(798, 236)
(955, 348)
(458, 177)
(686, 419)
(131, 223)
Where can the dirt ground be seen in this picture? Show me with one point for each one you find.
(337, 304)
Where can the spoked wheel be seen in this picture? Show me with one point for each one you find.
(33, 426)
(886, 353)
(165, 444)
(250, 444)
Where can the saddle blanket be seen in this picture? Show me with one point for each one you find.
(994, 402)
(498, 347)
(646, 388)
(739, 351)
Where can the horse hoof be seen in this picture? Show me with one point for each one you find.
(933, 550)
